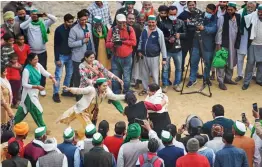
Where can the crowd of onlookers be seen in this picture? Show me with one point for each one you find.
(128, 50)
(220, 142)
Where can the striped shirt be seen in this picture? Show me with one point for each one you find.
(6, 52)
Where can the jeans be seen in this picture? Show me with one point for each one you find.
(121, 67)
(195, 58)
(177, 57)
(42, 59)
(67, 62)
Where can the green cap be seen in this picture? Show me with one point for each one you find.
(240, 128)
(232, 4)
(97, 19)
(130, 2)
(259, 7)
(97, 138)
(151, 17)
(166, 136)
(69, 133)
(34, 11)
(40, 131)
(101, 80)
(134, 130)
(90, 129)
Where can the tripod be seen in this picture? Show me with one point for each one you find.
(201, 51)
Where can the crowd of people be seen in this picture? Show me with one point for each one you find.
(103, 58)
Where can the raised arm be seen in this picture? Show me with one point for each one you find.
(51, 20)
(25, 24)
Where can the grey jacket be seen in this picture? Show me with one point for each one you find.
(75, 41)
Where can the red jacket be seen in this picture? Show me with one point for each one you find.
(127, 45)
(13, 74)
(113, 143)
(192, 159)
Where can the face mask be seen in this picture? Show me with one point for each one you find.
(22, 18)
(249, 11)
(183, 3)
(172, 18)
(208, 15)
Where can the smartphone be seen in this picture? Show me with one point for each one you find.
(244, 118)
(139, 121)
(40, 14)
(184, 126)
(255, 107)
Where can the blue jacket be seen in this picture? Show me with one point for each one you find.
(69, 150)
(231, 156)
(152, 45)
(170, 154)
(208, 34)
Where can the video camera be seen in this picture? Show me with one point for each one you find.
(116, 37)
(196, 19)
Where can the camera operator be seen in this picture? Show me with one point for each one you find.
(187, 43)
(207, 32)
(228, 36)
(121, 39)
(173, 29)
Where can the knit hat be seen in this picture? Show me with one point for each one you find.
(259, 7)
(40, 131)
(192, 145)
(50, 144)
(69, 133)
(97, 19)
(21, 128)
(232, 4)
(120, 17)
(97, 138)
(152, 17)
(90, 129)
(240, 128)
(8, 15)
(166, 136)
(130, 2)
(101, 80)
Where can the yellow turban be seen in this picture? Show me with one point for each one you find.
(9, 15)
(21, 128)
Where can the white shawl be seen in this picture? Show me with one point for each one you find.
(252, 19)
(5, 83)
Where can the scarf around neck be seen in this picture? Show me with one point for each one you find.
(42, 28)
(34, 75)
(104, 32)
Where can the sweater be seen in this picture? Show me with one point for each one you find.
(170, 154)
(13, 74)
(34, 34)
(113, 144)
(128, 42)
(61, 42)
(22, 53)
(194, 160)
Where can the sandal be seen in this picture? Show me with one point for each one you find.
(142, 93)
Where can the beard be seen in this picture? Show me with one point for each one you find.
(10, 25)
(222, 7)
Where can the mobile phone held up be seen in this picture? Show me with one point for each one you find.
(139, 121)
(255, 107)
(244, 118)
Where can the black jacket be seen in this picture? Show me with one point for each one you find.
(169, 29)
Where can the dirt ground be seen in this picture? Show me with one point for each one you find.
(234, 100)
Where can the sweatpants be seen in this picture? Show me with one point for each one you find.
(150, 66)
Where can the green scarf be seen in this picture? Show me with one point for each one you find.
(254, 129)
(118, 106)
(34, 75)
(133, 131)
(104, 32)
(243, 23)
(42, 28)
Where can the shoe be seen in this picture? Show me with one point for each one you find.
(212, 77)
(68, 94)
(239, 78)
(230, 82)
(222, 86)
(199, 76)
(169, 82)
(259, 83)
(208, 82)
(177, 88)
(43, 93)
(191, 83)
(56, 98)
(245, 86)
(164, 89)
(254, 78)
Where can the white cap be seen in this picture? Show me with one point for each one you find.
(120, 17)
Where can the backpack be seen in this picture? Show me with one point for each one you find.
(147, 162)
